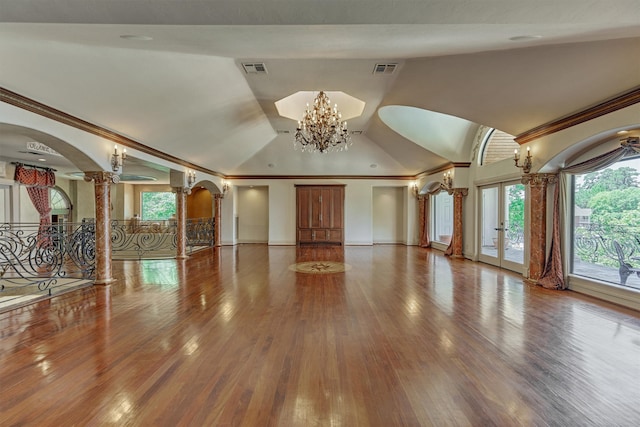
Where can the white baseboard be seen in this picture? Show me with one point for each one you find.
(626, 297)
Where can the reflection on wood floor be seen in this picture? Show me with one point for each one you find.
(232, 336)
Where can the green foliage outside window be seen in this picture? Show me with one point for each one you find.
(158, 206)
(613, 197)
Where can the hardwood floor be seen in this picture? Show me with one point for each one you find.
(232, 337)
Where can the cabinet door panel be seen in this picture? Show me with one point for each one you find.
(304, 203)
(335, 235)
(320, 235)
(305, 235)
(316, 207)
(337, 207)
(325, 208)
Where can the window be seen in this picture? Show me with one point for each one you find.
(606, 238)
(442, 217)
(497, 146)
(158, 205)
(59, 202)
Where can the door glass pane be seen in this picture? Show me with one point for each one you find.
(490, 222)
(514, 223)
(442, 217)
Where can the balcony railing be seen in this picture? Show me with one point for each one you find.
(157, 239)
(35, 259)
(609, 253)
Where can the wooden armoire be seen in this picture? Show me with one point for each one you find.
(320, 214)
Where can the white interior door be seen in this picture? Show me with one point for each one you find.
(502, 225)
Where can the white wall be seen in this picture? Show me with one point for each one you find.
(253, 214)
(358, 207)
(388, 215)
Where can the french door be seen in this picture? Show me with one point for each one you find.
(502, 225)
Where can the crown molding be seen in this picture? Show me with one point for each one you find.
(443, 168)
(43, 110)
(370, 177)
(614, 104)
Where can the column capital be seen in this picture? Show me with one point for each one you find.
(460, 192)
(539, 179)
(101, 177)
(181, 190)
(218, 196)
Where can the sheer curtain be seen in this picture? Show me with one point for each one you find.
(553, 274)
(38, 183)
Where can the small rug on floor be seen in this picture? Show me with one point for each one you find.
(320, 267)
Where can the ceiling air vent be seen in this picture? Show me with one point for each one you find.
(384, 68)
(282, 132)
(254, 68)
(356, 132)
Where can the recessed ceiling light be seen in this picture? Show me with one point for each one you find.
(524, 38)
(42, 160)
(136, 37)
(623, 132)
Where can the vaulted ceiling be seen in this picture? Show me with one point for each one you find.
(508, 64)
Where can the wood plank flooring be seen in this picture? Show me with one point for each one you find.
(232, 337)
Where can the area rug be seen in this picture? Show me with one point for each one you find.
(319, 267)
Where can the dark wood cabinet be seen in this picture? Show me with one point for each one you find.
(320, 214)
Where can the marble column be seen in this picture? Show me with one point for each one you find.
(455, 248)
(181, 221)
(102, 188)
(422, 224)
(218, 218)
(537, 222)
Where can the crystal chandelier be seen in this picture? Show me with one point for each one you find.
(321, 128)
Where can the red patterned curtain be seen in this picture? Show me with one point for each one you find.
(38, 183)
(425, 221)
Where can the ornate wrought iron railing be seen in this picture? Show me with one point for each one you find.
(200, 232)
(34, 259)
(143, 239)
(152, 239)
(594, 243)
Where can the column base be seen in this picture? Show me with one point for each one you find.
(104, 282)
(182, 256)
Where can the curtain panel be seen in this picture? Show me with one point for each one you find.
(553, 274)
(38, 183)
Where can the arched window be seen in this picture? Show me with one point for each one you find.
(60, 203)
(497, 146)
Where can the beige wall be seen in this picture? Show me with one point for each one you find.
(253, 214)
(388, 215)
(200, 203)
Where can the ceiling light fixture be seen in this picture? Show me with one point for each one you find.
(322, 128)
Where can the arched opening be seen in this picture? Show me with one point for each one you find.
(497, 145)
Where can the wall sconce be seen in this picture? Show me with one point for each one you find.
(191, 178)
(526, 165)
(225, 187)
(117, 159)
(414, 188)
(447, 181)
